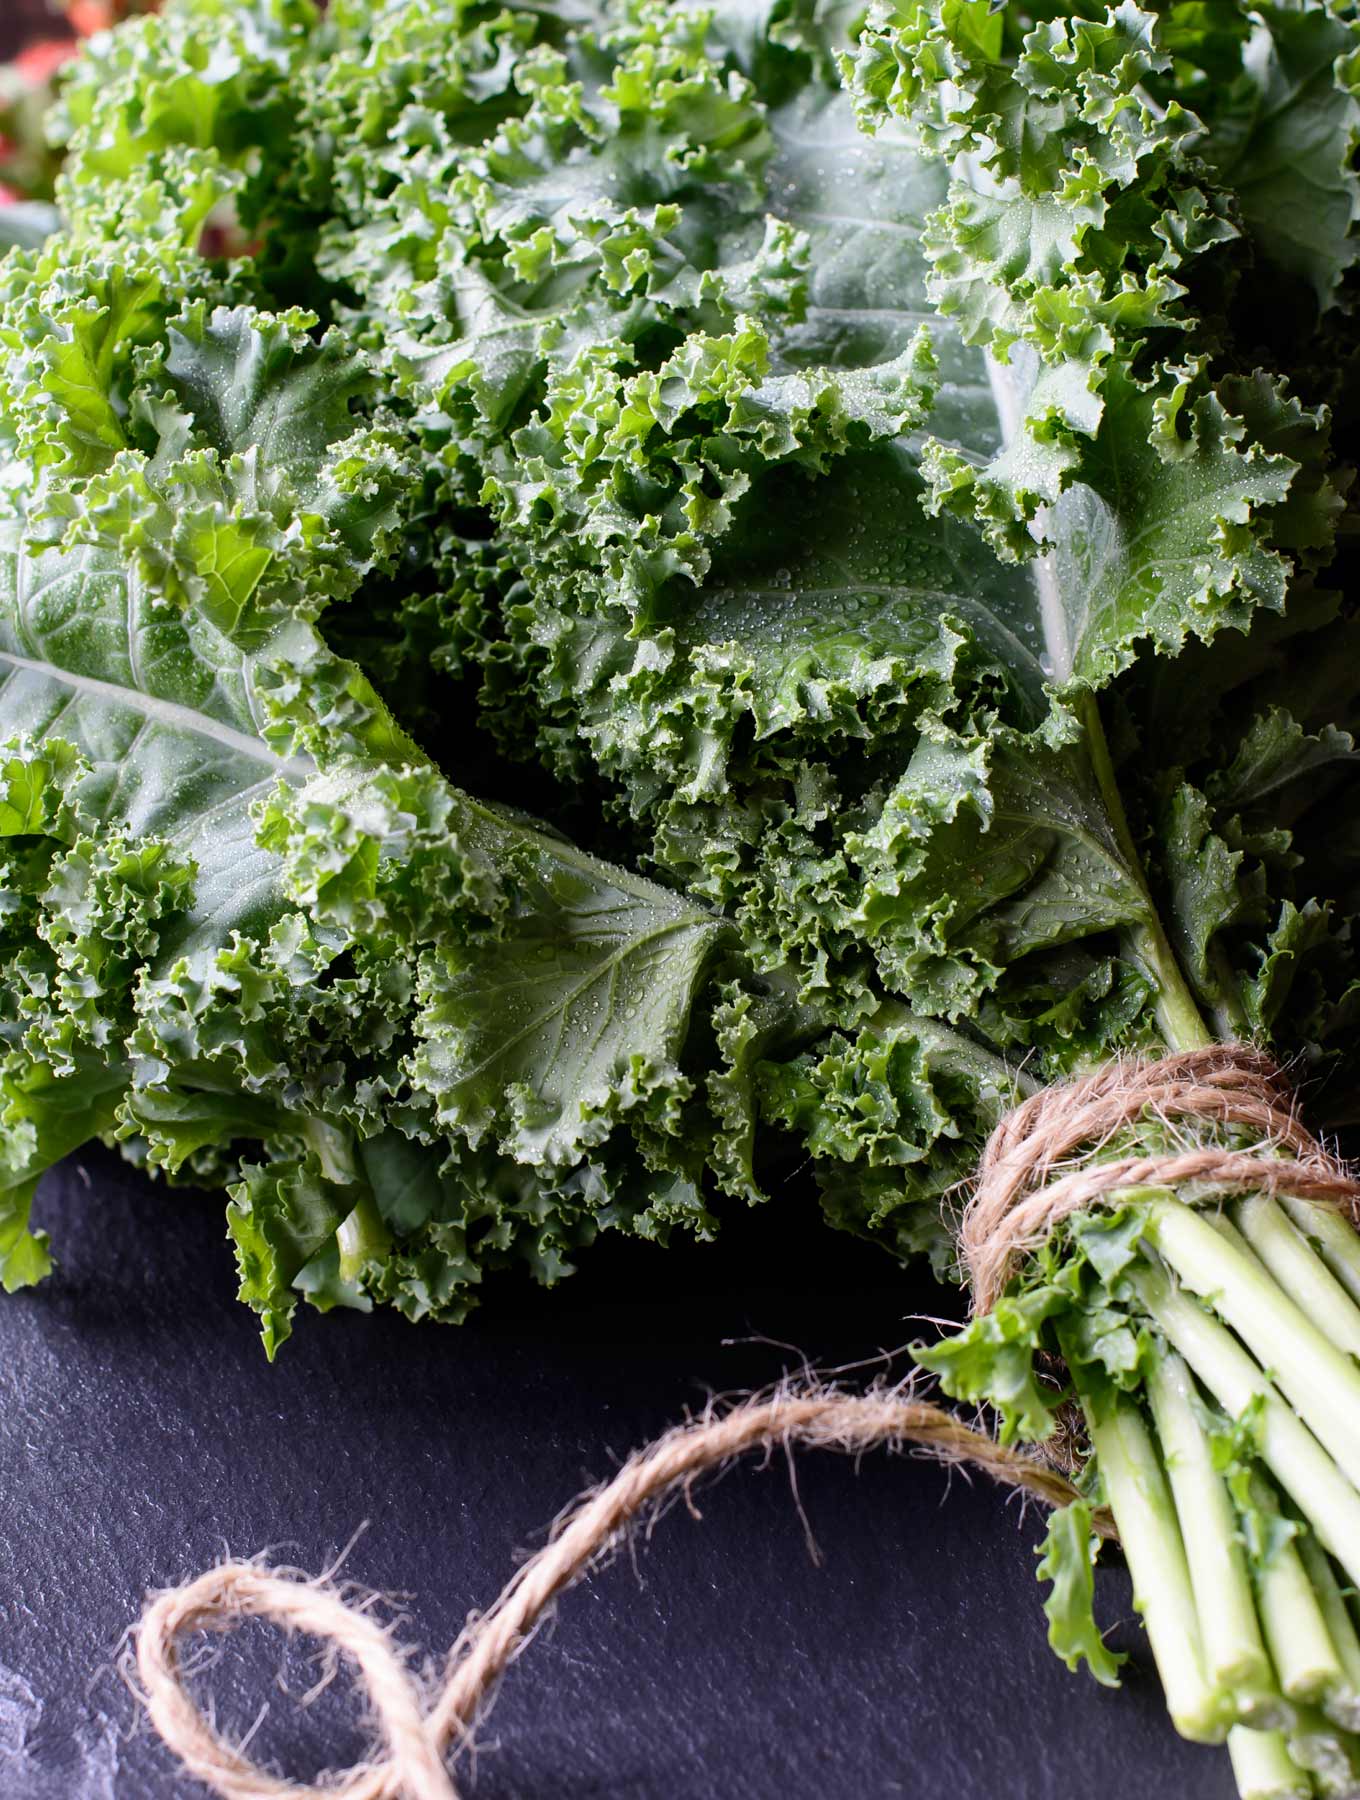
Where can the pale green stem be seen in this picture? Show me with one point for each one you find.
(1291, 1452)
(363, 1238)
(1178, 1015)
(1300, 1271)
(1343, 1704)
(1306, 1661)
(1322, 1383)
(1235, 1659)
(1140, 1499)
(1336, 1238)
(1263, 1767)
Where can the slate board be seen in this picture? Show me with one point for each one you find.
(141, 1430)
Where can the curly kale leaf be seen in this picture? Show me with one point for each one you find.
(243, 914)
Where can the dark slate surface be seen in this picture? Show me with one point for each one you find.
(141, 1430)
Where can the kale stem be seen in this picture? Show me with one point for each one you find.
(1290, 1451)
(1235, 1657)
(1263, 1767)
(1343, 1704)
(1336, 1238)
(1136, 1488)
(1300, 1271)
(1306, 1660)
(1321, 1382)
(363, 1237)
(1178, 1015)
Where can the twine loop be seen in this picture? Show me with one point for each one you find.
(1023, 1188)
(226, 1596)
(419, 1730)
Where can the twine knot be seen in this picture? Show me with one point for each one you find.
(1023, 1187)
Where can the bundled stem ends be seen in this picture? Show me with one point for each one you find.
(1207, 1315)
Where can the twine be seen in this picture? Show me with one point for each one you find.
(1022, 1191)
(418, 1735)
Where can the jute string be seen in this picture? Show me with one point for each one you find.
(1023, 1190)
(418, 1735)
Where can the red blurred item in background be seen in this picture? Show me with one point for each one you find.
(89, 16)
(41, 60)
(37, 24)
(39, 37)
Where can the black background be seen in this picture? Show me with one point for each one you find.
(142, 1431)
